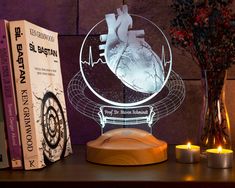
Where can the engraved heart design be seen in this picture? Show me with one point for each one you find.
(129, 56)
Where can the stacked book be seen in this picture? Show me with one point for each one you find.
(34, 130)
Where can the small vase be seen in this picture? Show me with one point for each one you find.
(214, 122)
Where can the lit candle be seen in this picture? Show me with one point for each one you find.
(187, 153)
(219, 158)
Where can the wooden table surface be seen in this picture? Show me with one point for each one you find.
(75, 171)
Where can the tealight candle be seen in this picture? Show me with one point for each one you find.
(219, 158)
(187, 153)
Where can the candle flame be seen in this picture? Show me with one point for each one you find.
(189, 145)
(219, 149)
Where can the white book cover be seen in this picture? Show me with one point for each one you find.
(40, 94)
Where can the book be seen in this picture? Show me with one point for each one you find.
(9, 100)
(4, 163)
(40, 94)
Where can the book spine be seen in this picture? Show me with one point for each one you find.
(9, 101)
(3, 147)
(4, 163)
(33, 158)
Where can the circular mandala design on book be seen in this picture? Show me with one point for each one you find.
(53, 127)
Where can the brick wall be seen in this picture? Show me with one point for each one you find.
(72, 19)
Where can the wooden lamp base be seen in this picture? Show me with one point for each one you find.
(126, 146)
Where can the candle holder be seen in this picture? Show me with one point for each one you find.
(219, 158)
(187, 153)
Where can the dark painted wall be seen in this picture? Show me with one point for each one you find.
(72, 19)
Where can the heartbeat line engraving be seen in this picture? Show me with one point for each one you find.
(93, 63)
(90, 61)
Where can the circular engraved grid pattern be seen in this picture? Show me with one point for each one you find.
(162, 108)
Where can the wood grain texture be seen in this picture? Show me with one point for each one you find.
(76, 172)
(126, 146)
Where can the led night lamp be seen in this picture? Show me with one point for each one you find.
(125, 69)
